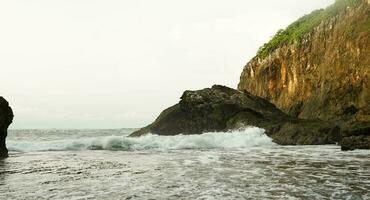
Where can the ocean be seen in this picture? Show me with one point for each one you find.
(245, 164)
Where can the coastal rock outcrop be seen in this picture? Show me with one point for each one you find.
(6, 118)
(222, 109)
(317, 74)
(323, 74)
(214, 109)
(356, 136)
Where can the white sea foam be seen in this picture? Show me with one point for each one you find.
(249, 137)
(233, 170)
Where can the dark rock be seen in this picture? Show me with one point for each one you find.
(308, 132)
(355, 142)
(356, 136)
(222, 109)
(6, 118)
(214, 109)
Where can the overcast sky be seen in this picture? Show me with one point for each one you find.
(119, 63)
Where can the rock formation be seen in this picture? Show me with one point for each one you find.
(6, 118)
(356, 136)
(221, 109)
(214, 109)
(316, 72)
(324, 75)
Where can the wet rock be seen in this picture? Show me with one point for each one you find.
(355, 142)
(223, 109)
(356, 136)
(6, 118)
(214, 109)
(308, 132)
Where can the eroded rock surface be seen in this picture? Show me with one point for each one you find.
(222, 109)
(325, 75)
(6, 118)
(214, 109)
(320, 85)
(356, 136)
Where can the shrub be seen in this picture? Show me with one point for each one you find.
(295, 31)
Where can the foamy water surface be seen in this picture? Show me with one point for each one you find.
(105, 164)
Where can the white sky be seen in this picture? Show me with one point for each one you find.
(119, 63)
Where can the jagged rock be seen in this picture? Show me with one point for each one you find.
(6, 118)
(222, 109)
(213, 109)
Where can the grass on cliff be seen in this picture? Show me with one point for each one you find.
(303, 25)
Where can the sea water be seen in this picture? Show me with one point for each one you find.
(245, 164)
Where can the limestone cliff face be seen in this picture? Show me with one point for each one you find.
(324, 75)
(6, 118)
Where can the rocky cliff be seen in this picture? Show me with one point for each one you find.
(319, 68)
(6, 118)
(316, 72)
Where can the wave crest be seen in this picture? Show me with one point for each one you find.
(249, 137)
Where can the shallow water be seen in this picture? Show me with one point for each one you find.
(242, 165)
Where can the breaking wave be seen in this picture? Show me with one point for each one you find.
(249, 137)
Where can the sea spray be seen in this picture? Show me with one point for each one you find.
(248, 137)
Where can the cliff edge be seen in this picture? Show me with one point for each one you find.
(319, 68)
(6, 118)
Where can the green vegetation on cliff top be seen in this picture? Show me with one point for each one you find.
(303, 25)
